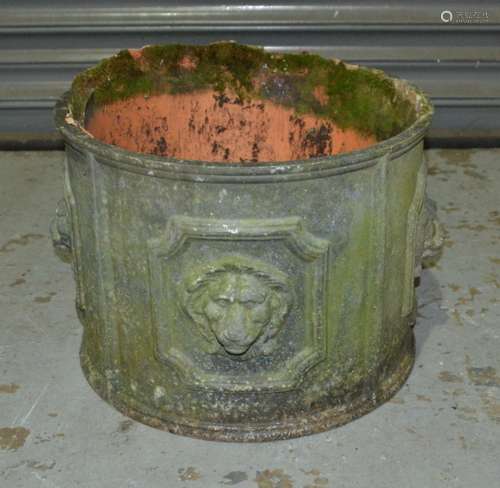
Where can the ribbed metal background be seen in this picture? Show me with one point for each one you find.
(42, 46)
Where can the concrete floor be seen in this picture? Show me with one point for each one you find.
(441, 430)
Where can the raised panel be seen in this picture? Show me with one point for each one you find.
(246, 312)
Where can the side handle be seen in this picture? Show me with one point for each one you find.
(60, 231)
(432, 234)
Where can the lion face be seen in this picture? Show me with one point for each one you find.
(238, 306)
(237, 310)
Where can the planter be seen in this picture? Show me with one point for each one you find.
(245, 231)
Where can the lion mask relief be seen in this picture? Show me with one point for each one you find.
(238, 306)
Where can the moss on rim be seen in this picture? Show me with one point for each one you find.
(354, 98)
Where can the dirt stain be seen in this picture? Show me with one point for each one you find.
(473, 227)
(475, 174)
(454, 287)
(487, 376)
(467, 413)
(457, 392)
(491, 406)
(189, 474)
(319, 483)
(9, 388)
(312, 472)
(397, 401)
(273, 478)
(423, 398)
(494, 217)
(23, 240)
(456, 315)
(40, 466)
(13, 438)
(473, 292)
(19, 281)
(45, 299)
(125, 426)
(448, 243)
(456, 157)
(30, 463)
(450, 209)
(492, 280)
(436, 170)
(449, 377)
(235, 477)
(463, 443)
(41, 439)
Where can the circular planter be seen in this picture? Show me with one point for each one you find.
(245, 230)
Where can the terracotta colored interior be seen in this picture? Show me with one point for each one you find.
(208, 126)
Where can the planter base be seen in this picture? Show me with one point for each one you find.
(313, 423)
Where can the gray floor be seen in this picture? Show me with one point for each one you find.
(441, 430)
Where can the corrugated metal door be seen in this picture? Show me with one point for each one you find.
(449, 49)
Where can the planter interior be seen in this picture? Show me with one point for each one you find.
(231, 103)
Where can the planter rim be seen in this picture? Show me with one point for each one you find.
(198, 170)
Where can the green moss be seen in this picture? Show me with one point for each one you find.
(116, 78)
(357, 98)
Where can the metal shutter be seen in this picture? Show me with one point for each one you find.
(454, 56)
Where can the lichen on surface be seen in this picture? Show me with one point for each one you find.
(351, 97)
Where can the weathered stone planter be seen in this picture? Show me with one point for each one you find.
(264, 289)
